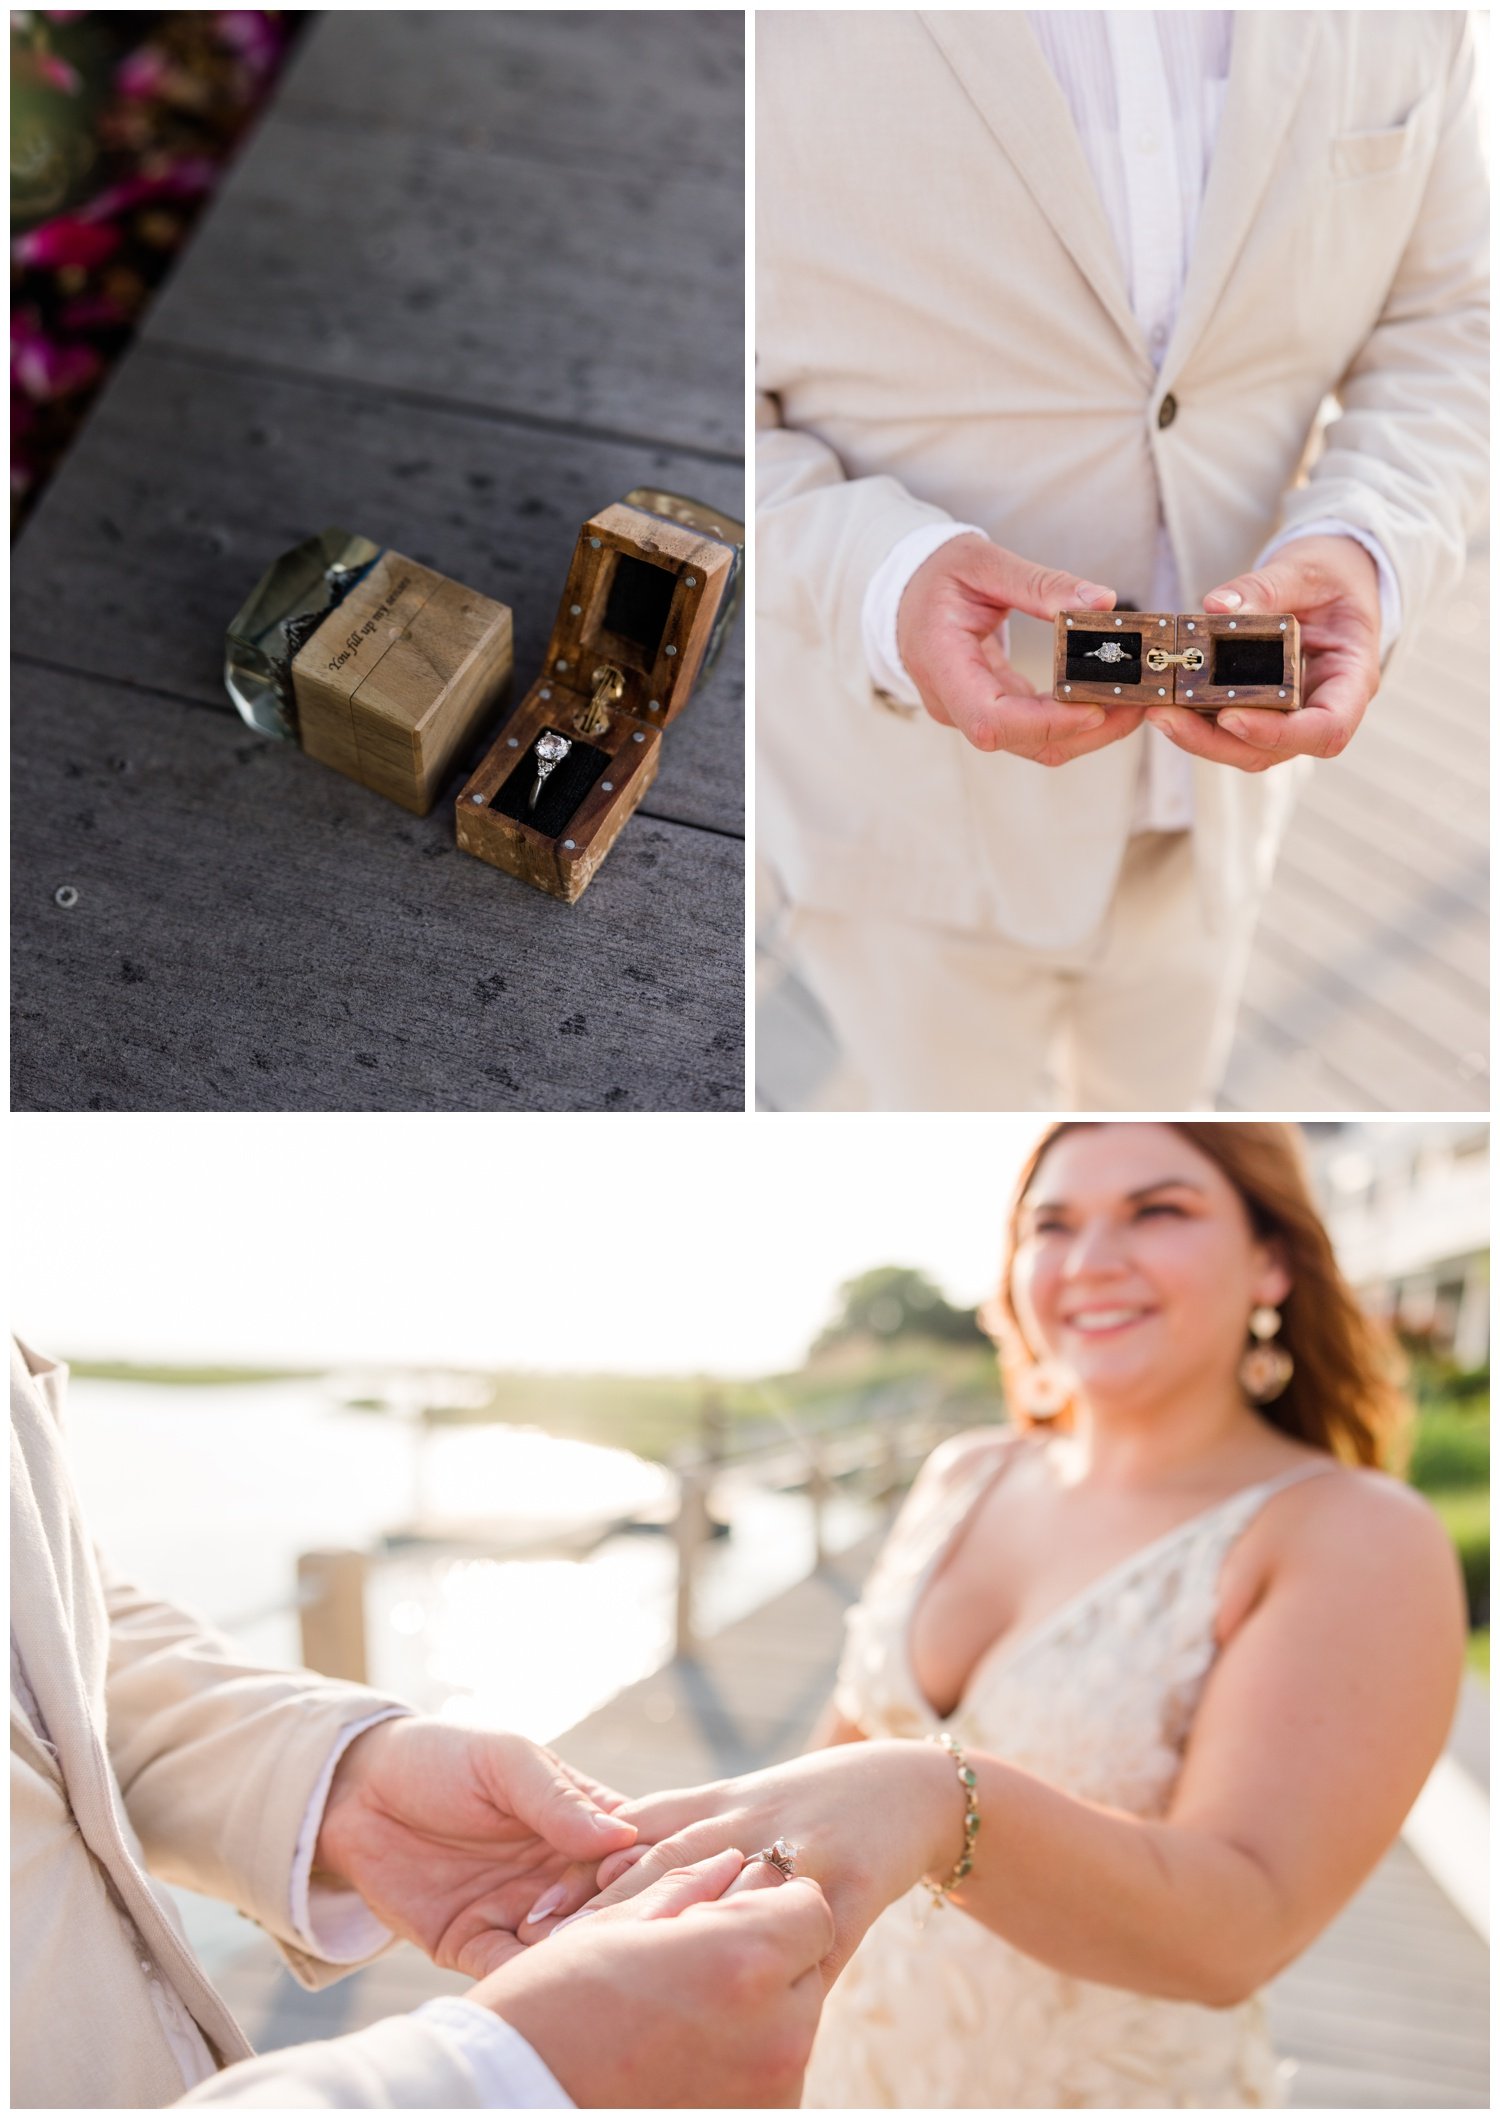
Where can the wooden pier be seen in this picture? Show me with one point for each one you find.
(1389, 2008)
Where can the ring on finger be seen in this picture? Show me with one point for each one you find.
(782, 1855)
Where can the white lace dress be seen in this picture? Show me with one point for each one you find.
(1098, 1700)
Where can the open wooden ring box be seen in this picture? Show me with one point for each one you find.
(649, 600)
(1194, 659)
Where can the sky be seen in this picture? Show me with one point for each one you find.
(649, 1244)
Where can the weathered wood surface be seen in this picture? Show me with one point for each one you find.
(374, 327)
(1368, 987)
(218, 959)
(1369, 982)
(1389, 2009)
(494, 77)
(585, 289)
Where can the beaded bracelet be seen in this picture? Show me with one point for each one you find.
(969, 1782)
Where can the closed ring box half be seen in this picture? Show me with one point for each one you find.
(374, 664)
(650, 592)
(1104, 658)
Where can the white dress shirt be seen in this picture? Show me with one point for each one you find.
(1146, 92)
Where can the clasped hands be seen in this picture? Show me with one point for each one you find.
(684, 1983)
(948, 629)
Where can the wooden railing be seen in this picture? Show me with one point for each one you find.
(877, 1440)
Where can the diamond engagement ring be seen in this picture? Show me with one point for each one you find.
(549, 751)
(1111, 651)
(782, 1855)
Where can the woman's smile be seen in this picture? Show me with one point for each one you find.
(1107, 1320)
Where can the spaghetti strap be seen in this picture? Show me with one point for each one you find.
(1295, 1476)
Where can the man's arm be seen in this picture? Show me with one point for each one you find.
(217, 1759)
(820, 537)
(912, 604)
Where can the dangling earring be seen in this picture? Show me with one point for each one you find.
(1043, 1390)
(1265, 1369)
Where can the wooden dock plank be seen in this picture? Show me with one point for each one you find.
(1430, 925)
(1323, 1008)
(1394, 976)
(254, 932)
(479, 277)
(1370, 967)
(498, 82)
(231, 468)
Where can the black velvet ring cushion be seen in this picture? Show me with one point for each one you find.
(563, 789)
(1248, 661)
(1085, 665)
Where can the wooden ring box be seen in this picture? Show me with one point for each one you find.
(650, 595)
(375, 665)
(1252, 659)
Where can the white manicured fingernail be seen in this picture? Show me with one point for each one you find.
(582, 1914)
(547, 1903)
(1231, 597)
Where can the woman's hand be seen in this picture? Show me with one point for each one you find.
(449, 1835)
(868, 1821)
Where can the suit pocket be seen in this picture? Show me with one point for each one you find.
(1374, 154)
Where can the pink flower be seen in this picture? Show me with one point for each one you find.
(253, 35)
(140, 73)
(45, 67)
(92, 312)
(58, 74)
(45, 368)
(182, 179)
(68, 240)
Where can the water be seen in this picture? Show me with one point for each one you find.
(209, 1495)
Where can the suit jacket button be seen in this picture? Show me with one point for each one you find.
(1166, 411)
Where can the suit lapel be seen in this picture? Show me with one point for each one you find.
(1000, 68)
(1268, 62)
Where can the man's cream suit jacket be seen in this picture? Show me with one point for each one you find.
(945, 332)
(160, 1757)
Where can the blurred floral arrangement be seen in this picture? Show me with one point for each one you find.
(120, 126)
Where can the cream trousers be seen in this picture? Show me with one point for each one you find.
(1139, 1018)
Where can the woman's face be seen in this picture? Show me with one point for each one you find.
(1136, 1266)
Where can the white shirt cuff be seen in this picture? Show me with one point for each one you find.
(883, 602)
(508, 2073)
(331, 1922)
(1390, 587)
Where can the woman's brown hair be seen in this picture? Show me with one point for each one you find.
(1345, 1394)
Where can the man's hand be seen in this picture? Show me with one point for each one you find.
(681, 1997)
(449, 1835)
(1332, 586)
(948, 633)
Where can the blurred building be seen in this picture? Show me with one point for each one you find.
(1407, 1202)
